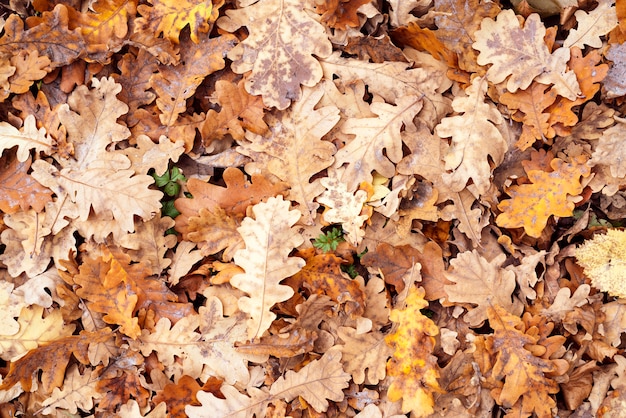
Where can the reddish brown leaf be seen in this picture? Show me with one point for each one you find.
(18, 190)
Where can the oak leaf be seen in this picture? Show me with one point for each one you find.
(134, 77)
(27, 138)
(29, 67)
(608, 152)
(78, 392)
(233, 404)
(28, 241)
(278, 50)
(174, 84)
(48, 34)
(322, 275)
(344, 207)
(148, 155)
(170, 17)
(339, 14)
(131, 410)
(214, 231)
(364, 355)
(239, 112)
(235, 198)
(614, 84)
(52, 359)
(106, 27)
(120, 381)
(526, 376)
(412, 367)
(296, 342)
(475, 139)
(532, 204)
(316, 382)
(390, 80)
(457, 22)
(530, 60)
(269, 238)
(483, 283)
(531, 105)
(33, 332)
(592, 26)
(18, 190)
(293, 149)
(177, 396)
(377, 145)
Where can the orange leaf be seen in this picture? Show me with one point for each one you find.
(52, 359)
(340, 14)
(532, 102)
(239, 111)
(234, 198)
(177, 396)
(532, 204)
(424, 39)
(322, 275)
(525, 375)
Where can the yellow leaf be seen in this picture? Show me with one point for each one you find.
(413, 366)
(604, 261)
(169, 17)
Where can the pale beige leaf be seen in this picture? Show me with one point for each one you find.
(41, 289)
(283, 37)
(529, 59)
(90, 117)
(235, 404)
(364, 352)
(173, 344)
(28, 243)
(316, 382)
(182, 261)
(482, 283)
(78, 392)
(119, 194)
(219, 335)
(344, 207)
(269, 239)
(390, 80)
(34, 331)
(29, 137)
(147, 154)
(377, 142)
(592, 26)
(565, 302)
(609, 151)
(615, 322)
(149, 242)
(475, 139)
(293, 149)
(131, 410)
(11, 305)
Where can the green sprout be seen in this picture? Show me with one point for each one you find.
(169, 181)
(329, 241)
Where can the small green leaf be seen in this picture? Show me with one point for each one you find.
(168, 209)
(171, 189)
(329, 241)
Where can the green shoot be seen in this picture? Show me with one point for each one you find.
(329, 241)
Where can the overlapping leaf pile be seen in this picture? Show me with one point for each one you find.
(380, 211)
